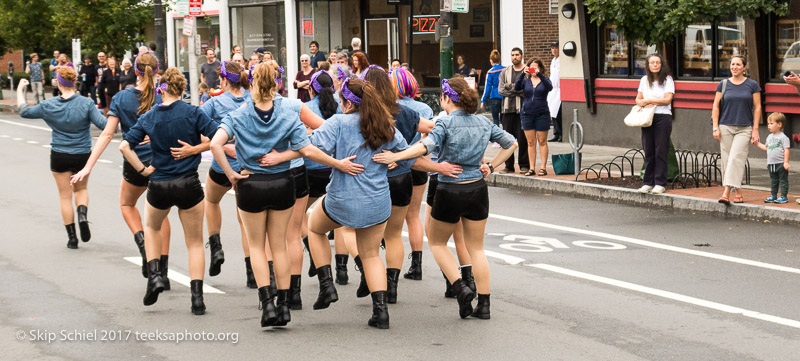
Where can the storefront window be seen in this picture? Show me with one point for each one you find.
(641, 51)
(315, 24)
(614, 48)
(260, 27)
(730, 42)
(208, 34)
(696, 56)
(787, 50)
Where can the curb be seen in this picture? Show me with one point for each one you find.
(634, 198)
(12, 108)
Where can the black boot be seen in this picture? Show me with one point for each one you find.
(251, 279)
(266, 299)
(295, 301)
(198, 307)
(363, 289)
(448, 288)
(415, 271)
(154, 283)
(217, 256)
(164, 270)
(272, 283)
(312, 269)
(138, 238)
(72, 242)
(392, 277)
(327, 290)
(465, 296)
(282, 308)
(466, 275)
(341, 269)
(482, 310)
(380, 314)
(83, 223)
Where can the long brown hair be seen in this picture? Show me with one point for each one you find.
(383, 85)
(147, 65)
(539, 63)
(363, 63)
(375, 121)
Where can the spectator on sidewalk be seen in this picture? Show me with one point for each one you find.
(656, 89)
(777, 147)
(512, 104)
(356, 45)
(88, 76)
(554, 97)
(490, 93)
(34, 68)
(461, 66)
(316, 55)
(735, 119)
(53, 64)
(794, 80)
(535, 114)
(302, 80)
(127, 77)
(209, 70)
(110, 81)
(101, 67)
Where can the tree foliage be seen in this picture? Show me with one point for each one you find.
(29, 25)
(661, 21)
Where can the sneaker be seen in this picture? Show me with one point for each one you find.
(645, 189)
(658, 190)
(782, 200)
(770, 199)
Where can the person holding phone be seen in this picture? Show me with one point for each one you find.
(792, 79)
(535, 114)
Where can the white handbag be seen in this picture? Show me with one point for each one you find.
(641, 116)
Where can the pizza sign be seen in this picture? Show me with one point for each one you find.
(424, 24)
(308, 27)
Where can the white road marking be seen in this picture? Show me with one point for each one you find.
(32, 142)
(26, 125)
(670, 295)
(115, 140)
(16, 138)
(104, 161)
(512, 260)
(650, 244)
(46, 146)
(178, 277)
(3, 136)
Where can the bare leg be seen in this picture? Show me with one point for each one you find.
(154, 218)
(473, 234)
(393, 235)
(277, 224)
(318, 225)
(461, 249)
(369, 243)
(415, 232)
(65, 196)
(255, 227)
(245, 245)
(128, 195)
(338, 241)
(543, 148)
(214, 194)
(192, 221)
(530, 135)
(294, 235)
(349, 240)
(81, 192)
(438, 234)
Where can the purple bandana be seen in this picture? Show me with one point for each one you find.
(250, 73)
(64, 82)
(315, 84)
(446, 89)
(136, 66)
(230, 76)
(340, 74)
(364, 73)
(162, 89)
(347, 94)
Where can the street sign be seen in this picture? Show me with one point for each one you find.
(445, 5)
(76, 53)
(188, 25)
(459, 6)
(182, 7)
(195, 7)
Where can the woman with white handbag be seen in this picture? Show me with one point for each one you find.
(656, 90)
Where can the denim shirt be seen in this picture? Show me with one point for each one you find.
(69, 119)
(313, 105)
(255, 137)
(166, 124)
(407, 123)
(217, 108)
(125, 106)
(356, 201)
(535, 99)
(295, 105)
(461, 138)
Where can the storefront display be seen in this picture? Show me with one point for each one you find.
(787, 44)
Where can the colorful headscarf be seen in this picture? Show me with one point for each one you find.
(136, 66)
(228, 75)
(404, 83)
(64, 82)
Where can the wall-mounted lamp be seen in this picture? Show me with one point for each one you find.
(570, 49)
(568, 10)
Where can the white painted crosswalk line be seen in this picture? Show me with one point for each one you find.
(178, 277)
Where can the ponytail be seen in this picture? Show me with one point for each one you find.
(146, 66)
(327, 104)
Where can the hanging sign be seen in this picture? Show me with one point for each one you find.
(195, 7)
(459, 6)
(188, 25)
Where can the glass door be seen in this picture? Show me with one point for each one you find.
(381, 41)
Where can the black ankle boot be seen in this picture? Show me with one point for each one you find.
(282, 308)
(312, 269)
(465, 296)
(83, 223)
(138, 238)
(295, 301)
(482, 310)
(154, 283)
(272, 284)
(466, 275)
(266, 299)
(363, 289)
(217, 256)
(72, 241)
(198, 306)
(341, 269)
(380, 314)
(251, 279)
(392, 277)
(164, 263)
(327, 290)
(415, 271)
(448, 288)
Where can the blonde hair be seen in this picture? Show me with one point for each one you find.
(777, 117)
(176, 82)
(68, 74)
(147, 66)
(264, 84)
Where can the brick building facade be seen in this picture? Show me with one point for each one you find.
(539, 28)
(16, 58)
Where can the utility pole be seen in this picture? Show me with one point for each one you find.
(161, 29)
(445, 41)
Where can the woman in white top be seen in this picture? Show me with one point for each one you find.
(656, 90)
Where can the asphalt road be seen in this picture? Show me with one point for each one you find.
(571, 280)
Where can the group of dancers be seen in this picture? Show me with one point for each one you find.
(362, 146)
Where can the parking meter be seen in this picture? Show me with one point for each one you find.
(11, 73)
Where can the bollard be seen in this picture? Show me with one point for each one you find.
(576, 140)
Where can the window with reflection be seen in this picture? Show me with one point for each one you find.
(614, 48)
(641, 51)
(696, 53)
(787, 44)
(730, 41)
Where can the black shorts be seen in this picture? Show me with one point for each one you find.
(318, 180)
(418, 177)
(400, 189)
(326, 211)
(65, 162)
(132, 176)
(260, 192)
(219, 178)
(184, 192)
(300, 176)
(432, 189)
(454, 201)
